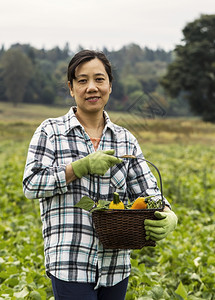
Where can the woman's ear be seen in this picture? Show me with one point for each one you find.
(110, 89)
(70, 89)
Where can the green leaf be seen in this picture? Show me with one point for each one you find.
(3, 274)
(22, 294)
(102, 205)
(157, 292)
(211, 260)
(1, 260)
(181, 291)
(34, 295)
(196, 277)
(12, 281)
(85, 203)
(145, 298)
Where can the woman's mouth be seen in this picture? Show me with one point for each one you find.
(93, 99)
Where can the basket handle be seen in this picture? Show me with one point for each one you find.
(160, 179)
(98, 189)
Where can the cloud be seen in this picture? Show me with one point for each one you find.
(97, 23)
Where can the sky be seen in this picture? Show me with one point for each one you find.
(96, 24)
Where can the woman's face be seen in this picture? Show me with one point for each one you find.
(91, 87)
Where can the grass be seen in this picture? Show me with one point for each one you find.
(29, 112)
(19, 123)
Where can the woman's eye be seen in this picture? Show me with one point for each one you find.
(82, 80)
(99, 79)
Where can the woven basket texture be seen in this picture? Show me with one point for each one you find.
(123, 229)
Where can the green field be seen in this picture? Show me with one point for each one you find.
(180, 267)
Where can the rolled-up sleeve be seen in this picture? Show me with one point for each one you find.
(42, 177)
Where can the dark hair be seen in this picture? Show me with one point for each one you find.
(84, 56)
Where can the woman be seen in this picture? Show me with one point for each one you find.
(65, 157)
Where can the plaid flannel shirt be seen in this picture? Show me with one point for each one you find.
(72, 250)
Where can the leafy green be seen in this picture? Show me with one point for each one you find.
(85, 203)
(23, 293)
(186, 255)
(102, 205)
(181, 291)
(88, 204)
(152, 204)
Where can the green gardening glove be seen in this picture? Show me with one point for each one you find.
(157, 230)
(95, 163)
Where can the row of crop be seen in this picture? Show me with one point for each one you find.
(22, 274)
(184, 262)
(180, 267)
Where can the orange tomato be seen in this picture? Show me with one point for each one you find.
(139, 203)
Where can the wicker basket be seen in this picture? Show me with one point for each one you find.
(124, 229)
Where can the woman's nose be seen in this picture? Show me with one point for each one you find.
(92, 86)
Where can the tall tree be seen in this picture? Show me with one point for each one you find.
(192, 73)
(17, 71)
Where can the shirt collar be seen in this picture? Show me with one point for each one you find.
(108, 123)
(71, 121)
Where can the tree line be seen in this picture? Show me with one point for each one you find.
(39, 76)
(180, 81)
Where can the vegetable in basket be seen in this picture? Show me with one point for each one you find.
(88, 204)
(116, 203)
(139, 203)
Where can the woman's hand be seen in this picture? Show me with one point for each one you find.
(95, 163)
(157, 230)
